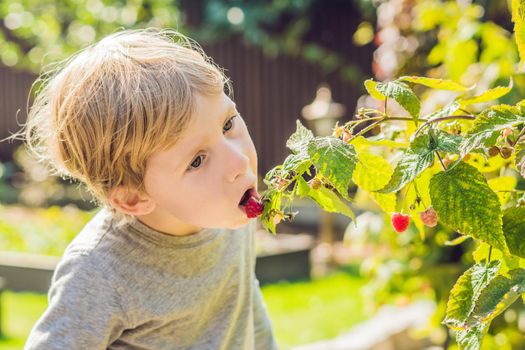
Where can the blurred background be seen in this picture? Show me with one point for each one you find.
(327, 284)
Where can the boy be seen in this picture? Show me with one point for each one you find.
(168, 263)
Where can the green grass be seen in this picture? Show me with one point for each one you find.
(305, 312)
(300, 312)
(19, 312)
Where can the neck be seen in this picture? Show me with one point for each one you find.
(168, 224)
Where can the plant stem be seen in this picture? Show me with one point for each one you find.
(447, 339)
(520, 134)
(378, 120)
(417, 193)
(441, 161)
(430, 121)
(369, 127)
(490, 252)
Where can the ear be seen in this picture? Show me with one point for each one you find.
(130, 201)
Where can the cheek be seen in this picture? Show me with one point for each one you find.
(251, 151)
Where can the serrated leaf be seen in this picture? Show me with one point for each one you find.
(371, 173)
(447, 142)
(514, 230)
(518, 17)
(325, 198)
(489, 95)
(363, 143)
(499, 294)
(299, 139)
(334, 160)
(465, 203)
(441, 84)
(399, 92)
(519, 160)
(413, 162)
(299, 162)
(472, 338)
(466, 291)
(488, 124)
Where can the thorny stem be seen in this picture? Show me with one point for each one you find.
(430, 121)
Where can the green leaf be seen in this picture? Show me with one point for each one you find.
(457, 240)
(272, 173)
(274, 203)
(489, 95)
(519, 149)
(371, 173)
(433, 83)
(299, 162)
(503, 183)
(514, 230)
(334, 160)
(300, 138)
(500, 293)
(487, 124)
(518, 17)
(446, 142)
(508, 261)
(465, 203)
(399, 92)
(466, 291)
(325, 198)
(472, 338)
(414, 161)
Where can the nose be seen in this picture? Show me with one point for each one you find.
(237, 162)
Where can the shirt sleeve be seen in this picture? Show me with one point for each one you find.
(264, 339)
(83, 310)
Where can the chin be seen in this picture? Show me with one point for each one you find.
(239, 224)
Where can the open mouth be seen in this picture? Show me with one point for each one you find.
(251, 204)
(250, 192)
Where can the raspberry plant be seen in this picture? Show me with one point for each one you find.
(446, 153)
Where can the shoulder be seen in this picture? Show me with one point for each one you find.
(91, 234)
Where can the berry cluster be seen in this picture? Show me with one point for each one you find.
(401, 221)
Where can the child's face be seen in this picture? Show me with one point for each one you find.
(199, 182)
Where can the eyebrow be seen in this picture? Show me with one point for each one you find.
(194, 150)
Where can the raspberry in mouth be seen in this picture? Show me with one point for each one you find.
(251, 204)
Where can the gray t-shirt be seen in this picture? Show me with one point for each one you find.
(133, 287)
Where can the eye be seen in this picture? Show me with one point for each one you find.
(196, 162)
(229, 124)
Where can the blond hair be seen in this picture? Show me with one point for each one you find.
(102, 113)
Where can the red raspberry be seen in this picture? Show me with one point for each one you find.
(400, 221)
(253, 207)
(429, 217)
